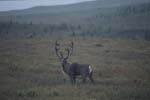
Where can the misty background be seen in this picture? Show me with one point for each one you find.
(113, 18)
(6, 5)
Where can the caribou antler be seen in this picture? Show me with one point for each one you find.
(69, 50)
(72, 44)
(60, 54)
(57, 49)
(68, 53)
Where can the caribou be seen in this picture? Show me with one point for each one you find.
(73, 70)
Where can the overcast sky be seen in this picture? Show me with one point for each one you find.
(6, 5)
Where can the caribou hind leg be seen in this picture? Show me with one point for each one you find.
(90, 74)
(91, 78)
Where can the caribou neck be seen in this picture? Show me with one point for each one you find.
(65, 67)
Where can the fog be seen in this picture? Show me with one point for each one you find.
(6, 5)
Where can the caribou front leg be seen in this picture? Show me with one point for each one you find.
(73, 79)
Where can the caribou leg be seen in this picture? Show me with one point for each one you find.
(84, 78)
(73, 79)
(91, 78)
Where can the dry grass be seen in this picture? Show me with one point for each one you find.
(29, 69)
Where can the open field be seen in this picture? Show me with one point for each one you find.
(29, 69)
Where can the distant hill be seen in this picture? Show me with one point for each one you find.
(101, 17)
(77, 7)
